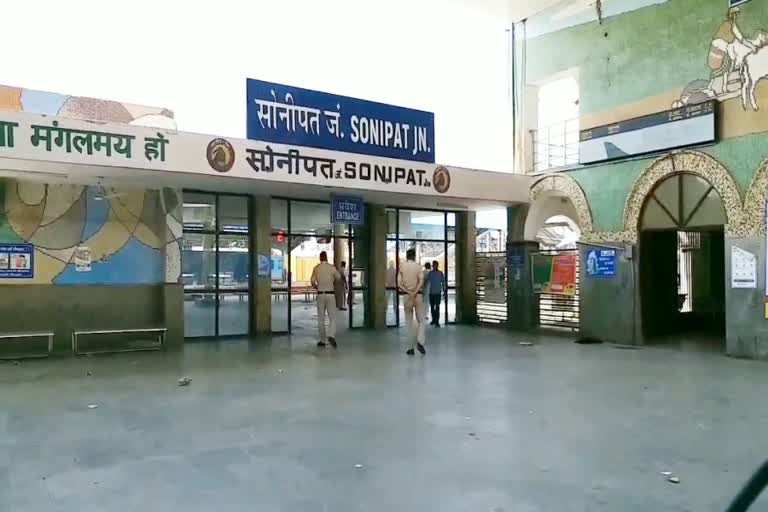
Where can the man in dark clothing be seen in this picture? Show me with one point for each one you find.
(437, 286)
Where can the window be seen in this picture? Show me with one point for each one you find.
(555, 135)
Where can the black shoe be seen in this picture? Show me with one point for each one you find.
(437, 325)
(421, 348)
(410, 352)
(333, 343)
(320, 344)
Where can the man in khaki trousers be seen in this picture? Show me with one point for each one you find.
(324, 278)
(410, 282)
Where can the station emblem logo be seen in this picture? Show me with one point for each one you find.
(441, 179)
(221, 155)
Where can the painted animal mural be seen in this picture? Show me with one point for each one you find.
(737, 64)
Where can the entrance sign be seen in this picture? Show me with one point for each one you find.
(554, 274)
(288, 115)
(17, 261)
(347, 210)
(601, 263)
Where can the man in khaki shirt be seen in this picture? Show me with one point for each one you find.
(324, 277)
(410, 282)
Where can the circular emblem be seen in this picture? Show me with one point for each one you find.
(441, 179)
(221, 155)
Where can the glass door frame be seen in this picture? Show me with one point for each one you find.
(350, 239)
(446, 244)
(217, 232)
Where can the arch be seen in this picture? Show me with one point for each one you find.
(558, 194)
(692, 162)
(754, 203)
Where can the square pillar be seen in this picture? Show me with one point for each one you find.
(522, 304)
(466, 273)
(261, 245)
(173, 315)
(377, 267)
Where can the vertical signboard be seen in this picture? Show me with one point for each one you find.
(601, 263)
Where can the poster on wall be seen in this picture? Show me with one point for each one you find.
(554, 274)
(494, 282)
(17, 261)
(601, 263)
(743, 269)
(83, 259)
(264, 265)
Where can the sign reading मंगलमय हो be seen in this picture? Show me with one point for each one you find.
(37, 137)
(288, 115)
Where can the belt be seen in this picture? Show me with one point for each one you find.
(325, 293)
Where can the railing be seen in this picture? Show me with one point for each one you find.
(491, 296)
(556, 146)
(560, 311)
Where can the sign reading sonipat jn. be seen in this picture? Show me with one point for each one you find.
(282, 114)
(347, 210)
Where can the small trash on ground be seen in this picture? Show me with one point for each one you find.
(666, 473)
(184, 381)
(472, 434)
(280, 371)
(358, 466)
(526, 343)
(673, 480)
(93, 406)
(88, 373)
(15, 363)
(530, 412)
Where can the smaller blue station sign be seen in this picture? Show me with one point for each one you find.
(347, 210)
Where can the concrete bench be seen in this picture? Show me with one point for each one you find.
(21, 335)
(160, 332)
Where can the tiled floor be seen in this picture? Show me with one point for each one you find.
(480, 424)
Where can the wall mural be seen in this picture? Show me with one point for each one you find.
(16, 99)
(134, 237)
(738, 64)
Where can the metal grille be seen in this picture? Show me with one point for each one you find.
(491, 309)
(560, 311)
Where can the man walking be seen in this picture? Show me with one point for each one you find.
(324, 278)
(410, 282)
(437, 286)
(425, 285)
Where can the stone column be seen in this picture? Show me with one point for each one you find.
(377, 267)
(261, 244)
(172, 289)
(466, 273)
(522, 304)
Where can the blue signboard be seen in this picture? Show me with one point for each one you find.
(347, 210)
(516, 256)
(17, 261)
(293, 116)
(601, 262)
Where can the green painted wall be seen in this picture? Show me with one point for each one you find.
(647, 52)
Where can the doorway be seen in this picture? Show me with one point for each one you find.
(216, 263)
(682, 263)
(301, 230)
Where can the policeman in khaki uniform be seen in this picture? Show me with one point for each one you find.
(411, 282)
(324, 277)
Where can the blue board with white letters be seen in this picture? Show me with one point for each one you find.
(294, 116)
(601, 263)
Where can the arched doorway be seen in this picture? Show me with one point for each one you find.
(682, 260)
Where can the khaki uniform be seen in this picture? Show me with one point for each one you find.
(324, 277)
(411, 280)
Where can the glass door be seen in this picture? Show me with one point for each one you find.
(216, 263)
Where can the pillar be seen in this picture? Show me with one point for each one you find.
(173, 314)
(466, 273)
(261, 245)
(522, 304)
(172, 299)
(377, 267)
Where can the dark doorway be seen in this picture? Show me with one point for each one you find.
(682, 284)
